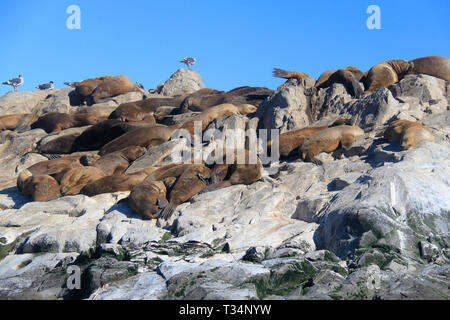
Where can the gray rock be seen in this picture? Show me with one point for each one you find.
(182, 82)
(13, 146)
(21, 102)
(386, 203)
(288, 108)
(343, 181)
(145, 286)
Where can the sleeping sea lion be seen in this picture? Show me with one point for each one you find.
(40, 187)
(386, 74)
(328, 140)
(408, 133)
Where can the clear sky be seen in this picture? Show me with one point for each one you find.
(235, 42)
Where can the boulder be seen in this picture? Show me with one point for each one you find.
(182, 82)
(288, 108)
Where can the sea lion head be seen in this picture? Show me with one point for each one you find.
(246, 109)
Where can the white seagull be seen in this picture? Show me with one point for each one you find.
(16, 82)
(188, 61)
(46, 86)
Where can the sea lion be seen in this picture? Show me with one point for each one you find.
(289, 142)
(105, 131)
(119, 161)
(137, 110)
(114, 183)
(40, 187)
(235, 172)
(435, 66)
(168, 171)
(237, 96)
(324, 77)
(75, 179)
(152, 136)
(188, 184)
(386, 74)
(60, 145)
(104, 87)
(349, 77)
(56, 121)
(328, 140)
(408, 133)
(148, 198)
(93, 138)
(55, 167)
(10, 122)
(280, 73)
(218, 111)
(144, 137)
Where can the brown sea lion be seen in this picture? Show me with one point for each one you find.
(324, 77)
(386, 74)
(218, 111)
(137, 110)
(148, 198)
(114, 183)
(119, 161)
(328, 140)
(93, 138)
(55, 167)
(75, 179)
(188, 184)
(435, 66)
(99, 111)
(149, 137)
(349, 77)
(105, 131)
(10, 122)
(60, 145)
(289, 142)
(100, 88)
(167, 171)
(280, 73)
(239, 171)
(408, 133)
(145, 137)
(237, 96)
(56, 121)
(40, 187)
(87, 87)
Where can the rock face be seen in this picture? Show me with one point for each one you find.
(288, 108)
(368, 221)
(182, 82)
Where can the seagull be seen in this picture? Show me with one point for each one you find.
(46, 86)
(139, 85)
(16, 82)
(188, 61)
(72, 84)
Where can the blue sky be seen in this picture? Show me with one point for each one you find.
(235, 42)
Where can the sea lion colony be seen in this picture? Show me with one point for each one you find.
(95, 160)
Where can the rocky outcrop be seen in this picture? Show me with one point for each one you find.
(368, 221)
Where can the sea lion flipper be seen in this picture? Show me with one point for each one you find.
(161, 204)
(203, 178)
(167, 212)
